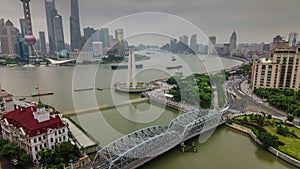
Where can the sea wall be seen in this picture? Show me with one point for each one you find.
(274, 151)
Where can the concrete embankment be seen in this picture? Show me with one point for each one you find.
(101, 107)
(274, 151)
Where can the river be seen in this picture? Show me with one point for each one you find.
(224, 149)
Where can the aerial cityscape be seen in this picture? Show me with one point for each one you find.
(120, 85)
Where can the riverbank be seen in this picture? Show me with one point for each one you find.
(274, 151)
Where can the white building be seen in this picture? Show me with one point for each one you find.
(33, 128)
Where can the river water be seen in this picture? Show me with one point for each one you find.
(224, 149)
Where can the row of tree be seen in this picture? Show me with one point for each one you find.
(194, 90)
(285, 99)
(60, 155)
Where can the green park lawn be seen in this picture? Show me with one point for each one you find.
(292, 144)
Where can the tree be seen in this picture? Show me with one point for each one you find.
(297, 112)
(290, 117)
(268, 140)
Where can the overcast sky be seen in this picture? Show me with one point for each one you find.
(253, 20)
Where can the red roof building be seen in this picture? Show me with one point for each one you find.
(33, 129)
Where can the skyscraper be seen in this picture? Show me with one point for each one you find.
(50, 11)
(193, 43)
(292, 39)
(23, 27)
(59, 33)
(42, 42)
(104, 37)
(277, 38)
(88, 32)
(232, 43)
(74, 25)
(119, 34)
(211, 44)
(8, 38)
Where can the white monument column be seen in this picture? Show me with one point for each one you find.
(133, 68)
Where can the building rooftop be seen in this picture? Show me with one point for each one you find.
(24, 118)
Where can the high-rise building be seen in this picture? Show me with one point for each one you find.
(232, 42)
(279, 70)
(292, 39)
(88, 32)
(211, 44)
(226, 49)
(23, 27)
(184, 39)
(8, 38)
(277, 38)
(50, 12)
(42, 42)
(1, 23)
(22, 50)
(193, 43)
(58, 33)
(119, 35)
(74, 25)
(104, 37)
(90, 36)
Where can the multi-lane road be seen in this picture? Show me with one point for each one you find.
(240, 101)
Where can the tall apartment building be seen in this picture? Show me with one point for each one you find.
(280, 70)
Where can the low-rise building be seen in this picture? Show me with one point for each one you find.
(33, 128)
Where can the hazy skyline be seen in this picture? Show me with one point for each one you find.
(254, 21)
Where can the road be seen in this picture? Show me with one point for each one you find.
(240, 101)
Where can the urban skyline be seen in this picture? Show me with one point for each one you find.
(243, 26)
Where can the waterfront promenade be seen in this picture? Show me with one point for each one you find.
(106, 106)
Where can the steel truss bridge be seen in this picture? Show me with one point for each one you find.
(139, 147)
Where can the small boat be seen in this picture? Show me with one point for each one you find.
(174, 67)
(100, 89)
(29, 65)
(113, 67)
(83, 89)
(173, 59)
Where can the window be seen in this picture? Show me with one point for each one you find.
(34, 140)
(51, 140)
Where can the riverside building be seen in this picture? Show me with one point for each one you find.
(32, 127)
(279, 70)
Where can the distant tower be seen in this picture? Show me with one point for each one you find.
(193, 43)
(74, 25)
(29, 38)
(292, 39)
(131, 69)
(119, 34)
(232, 43)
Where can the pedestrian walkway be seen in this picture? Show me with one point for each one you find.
(82, 139)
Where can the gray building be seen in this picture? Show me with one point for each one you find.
(50, 13)
(292, 39)
(42, 42)
(104, 37)
(8, 38)
(193, 43)
(232, 43)
(74, 25)
(23, 27)
(88, 32)
(59, 33)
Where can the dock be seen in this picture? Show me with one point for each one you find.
(105, 106)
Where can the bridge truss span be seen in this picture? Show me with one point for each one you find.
(137, 148)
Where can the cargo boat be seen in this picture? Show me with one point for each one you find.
(113, 67)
